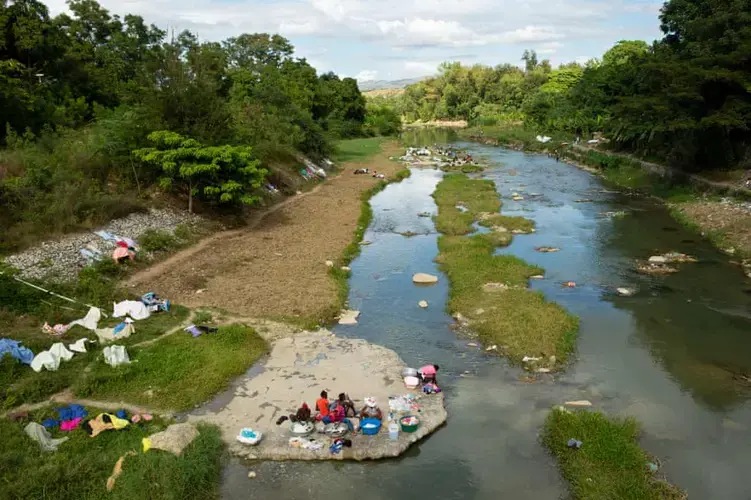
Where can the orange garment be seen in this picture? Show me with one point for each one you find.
(322, 405)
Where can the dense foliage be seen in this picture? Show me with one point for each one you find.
(686, 99)
(80, 91)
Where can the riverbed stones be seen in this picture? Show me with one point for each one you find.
(579, 403)
(657, 259)
(547, 249)
(655, 268)
(348, 317)
(423, 304)
(296, 370)
(60, 260)
(424, 279)
(625, 292)
(346, 269)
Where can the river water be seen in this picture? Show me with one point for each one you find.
(669, 356)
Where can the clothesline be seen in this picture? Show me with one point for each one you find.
(52, 293)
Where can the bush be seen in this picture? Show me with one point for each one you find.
(154, 240)
(381, 121)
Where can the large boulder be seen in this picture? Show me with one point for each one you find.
(424, 279)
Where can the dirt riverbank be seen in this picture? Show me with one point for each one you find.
(276, 267)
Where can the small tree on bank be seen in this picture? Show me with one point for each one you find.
(223, 174)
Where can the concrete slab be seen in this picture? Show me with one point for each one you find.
(296, 371)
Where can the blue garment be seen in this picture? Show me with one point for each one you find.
(121, 414)
(15, 349)
(51, 423)
(72, 412)
(119, 328)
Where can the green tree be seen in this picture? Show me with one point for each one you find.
(224, 174)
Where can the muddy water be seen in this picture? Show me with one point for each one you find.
(667, 355)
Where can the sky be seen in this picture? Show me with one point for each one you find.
(395, 39)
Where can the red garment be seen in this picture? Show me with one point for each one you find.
(69, 425)
(322, 405)
(338, 414)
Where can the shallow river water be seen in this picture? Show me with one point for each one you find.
(669, 356)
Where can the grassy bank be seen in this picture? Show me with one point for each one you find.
(177, 372)
(79, 469)
(357, 150)
(696, 207)
(488, 289)
(515, 136)
(610, 463)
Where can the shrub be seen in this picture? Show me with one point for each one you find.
(154, 240)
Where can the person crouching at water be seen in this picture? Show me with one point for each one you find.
(428, 374)
(371, 410)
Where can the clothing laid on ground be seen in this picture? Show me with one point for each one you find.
(16, 350)
(41, 436)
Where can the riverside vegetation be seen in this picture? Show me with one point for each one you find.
(520, 322)
(81, 91)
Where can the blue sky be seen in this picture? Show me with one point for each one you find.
(393, 39)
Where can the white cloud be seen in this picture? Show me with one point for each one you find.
(548, 48)
(366, 75)
(531, 34)
(420, 68)
(426, 31)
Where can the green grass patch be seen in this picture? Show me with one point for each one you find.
(79, 469)
(179, 371)
(473, 195)
(507, 314)
(357, 150)
(510, 223)
(20, 384)
(610, 463)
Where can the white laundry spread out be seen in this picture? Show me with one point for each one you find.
(79, 345)
(110, 334)
(89, 321)
(133, 308)
(45, 359)
(62, 352)
(116, 355)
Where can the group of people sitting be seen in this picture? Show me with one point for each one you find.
(343, 407)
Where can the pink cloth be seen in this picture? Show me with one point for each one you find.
(69, 425)
(427, 370)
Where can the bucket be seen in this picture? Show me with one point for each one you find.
(393, 431)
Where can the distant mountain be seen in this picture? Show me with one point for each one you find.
(388, 84)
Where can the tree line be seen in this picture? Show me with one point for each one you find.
(83, 90)
(685, 99)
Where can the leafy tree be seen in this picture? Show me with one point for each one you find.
(224, 174)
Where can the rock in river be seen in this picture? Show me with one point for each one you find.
(423, 304)
(348, 317)
(296, 369)
(424, 279)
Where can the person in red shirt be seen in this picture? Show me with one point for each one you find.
(322, 405)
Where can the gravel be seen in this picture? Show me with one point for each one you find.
(60, 260)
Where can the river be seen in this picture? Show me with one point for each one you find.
(668, 356)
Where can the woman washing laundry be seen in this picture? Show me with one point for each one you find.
(371, 410)
(428, 374)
